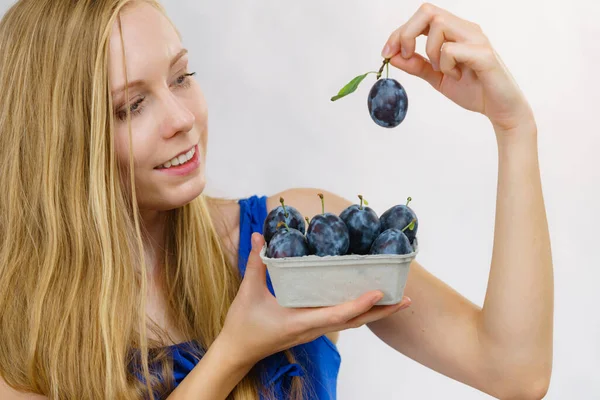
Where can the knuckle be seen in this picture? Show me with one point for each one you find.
(356, 324)
(427, 8)
(404, 36)
(438, 20)
(477, 27)
(337, 319)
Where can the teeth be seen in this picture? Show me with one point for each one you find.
(180, 159)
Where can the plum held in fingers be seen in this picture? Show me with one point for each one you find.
(363, 226)
(388, 103)
(399, 217)
(287, 242)
(327, 234)
(282, 213)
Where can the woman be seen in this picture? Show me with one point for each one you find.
(119, 279)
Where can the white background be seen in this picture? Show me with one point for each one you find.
(268, 69)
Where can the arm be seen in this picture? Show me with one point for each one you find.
(214, 377)
(504, 349)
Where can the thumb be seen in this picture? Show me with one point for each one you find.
(255, 268)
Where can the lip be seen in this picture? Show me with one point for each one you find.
(184, 169)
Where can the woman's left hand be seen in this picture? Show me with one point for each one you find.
(462, 65)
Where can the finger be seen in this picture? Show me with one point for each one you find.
(375, 314)
(338, 315)
(480, 58)
(433, 48)
(418, 65)
(256, 270)
(454, 28)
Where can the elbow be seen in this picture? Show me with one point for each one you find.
(527, 385)
(530, 389)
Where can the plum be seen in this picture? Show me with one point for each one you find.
(282, 213)
(399, 217)
(391, 241)
(387, 103)
(363, 226)
(327, 234)
(287, 242)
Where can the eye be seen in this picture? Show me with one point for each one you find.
(134, 109)
(183, 80)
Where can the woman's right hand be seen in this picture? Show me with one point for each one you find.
(256, 325)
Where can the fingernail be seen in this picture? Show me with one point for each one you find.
(405, 303)
(386, 51)
(404, 53)
(254, 239)
(377, 297)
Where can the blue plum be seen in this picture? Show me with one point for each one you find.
(391, 241)
(388, 103)
(287, 242)
(399, 217)
(282, 213)
(363, 227)
(327, 234)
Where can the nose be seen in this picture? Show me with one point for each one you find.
(177, 117)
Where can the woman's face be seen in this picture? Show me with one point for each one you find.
(168, 110)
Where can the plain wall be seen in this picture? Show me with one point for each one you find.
(268, 69)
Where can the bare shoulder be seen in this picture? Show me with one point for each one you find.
(8, 393)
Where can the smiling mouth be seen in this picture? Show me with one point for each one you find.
(178, 160)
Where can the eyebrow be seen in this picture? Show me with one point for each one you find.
(140, 82)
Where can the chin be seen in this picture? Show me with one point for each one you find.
(179, 196)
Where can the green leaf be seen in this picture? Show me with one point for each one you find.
(350, 87)
(412, 226)
(366, 202)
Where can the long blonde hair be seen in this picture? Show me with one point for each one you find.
(72, 286)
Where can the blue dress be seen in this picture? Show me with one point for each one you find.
(318, 361)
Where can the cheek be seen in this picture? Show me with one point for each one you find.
(141, 145)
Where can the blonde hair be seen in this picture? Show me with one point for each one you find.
(72, 309)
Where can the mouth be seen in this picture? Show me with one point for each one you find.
(180, 159)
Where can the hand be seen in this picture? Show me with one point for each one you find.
(462, 65)
(256, 326)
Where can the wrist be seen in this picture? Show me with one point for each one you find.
(522, 133)
(225, 350)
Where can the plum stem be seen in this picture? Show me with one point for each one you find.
(361, 202)
(322, 202)
(411, 225)
(387, 69)
(385, 62)
(408, 200)
(283, 223)
(283, 205)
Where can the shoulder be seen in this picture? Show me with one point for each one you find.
(307, 202)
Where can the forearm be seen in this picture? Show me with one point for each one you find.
(517, 316)
(214, 377)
